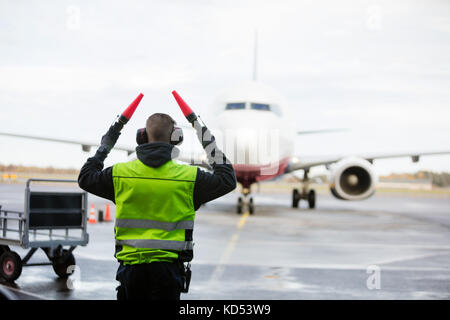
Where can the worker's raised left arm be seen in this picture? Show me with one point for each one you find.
(92, 177)
(95, 180)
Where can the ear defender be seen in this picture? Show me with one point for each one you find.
(141, 136)
(176, 137)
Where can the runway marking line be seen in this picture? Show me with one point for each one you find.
(218, 271)
(415, 257)
(229, 249)
(241, 222)
(233, 241)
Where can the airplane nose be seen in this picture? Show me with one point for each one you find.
(239, 145)
(246, 147)
(250, 139)
(251, 147)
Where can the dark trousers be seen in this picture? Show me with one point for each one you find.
(149, 281)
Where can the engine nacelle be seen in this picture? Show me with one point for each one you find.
(352, 179)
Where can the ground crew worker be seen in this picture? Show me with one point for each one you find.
(156, 199)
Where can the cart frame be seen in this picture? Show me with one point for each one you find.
(27, 232)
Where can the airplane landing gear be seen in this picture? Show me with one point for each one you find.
(312, 199)
(306, 194)
(295, 198)
(240, 206)
(245, 202)
(309, 196)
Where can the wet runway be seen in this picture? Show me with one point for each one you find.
(388, 247)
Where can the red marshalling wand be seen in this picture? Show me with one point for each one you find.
(128, 113)
(187, 111)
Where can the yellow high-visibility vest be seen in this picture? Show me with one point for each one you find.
(154, 212)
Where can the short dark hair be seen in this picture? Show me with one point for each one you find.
(159, 127)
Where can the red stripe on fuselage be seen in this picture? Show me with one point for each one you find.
(248, 174)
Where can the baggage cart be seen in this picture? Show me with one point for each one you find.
(56, 222)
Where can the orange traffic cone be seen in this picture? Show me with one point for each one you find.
(107, 213)
(92, 215)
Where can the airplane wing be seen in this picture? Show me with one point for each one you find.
(197, 159)
(85, 145)
(305, 163)
(296, 163)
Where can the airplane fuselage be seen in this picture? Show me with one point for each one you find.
(253, 126)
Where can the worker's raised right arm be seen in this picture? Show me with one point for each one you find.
(209, 186)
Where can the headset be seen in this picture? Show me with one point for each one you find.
(176, 136)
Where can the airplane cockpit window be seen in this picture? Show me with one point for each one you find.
(266, 107)
(234, 106)
(260, 106)
(254, 106)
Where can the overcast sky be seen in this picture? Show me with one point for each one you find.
(378, 68)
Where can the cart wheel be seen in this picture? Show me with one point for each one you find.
(62, 263)
(10, 266)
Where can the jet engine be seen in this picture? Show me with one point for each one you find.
(352, 179)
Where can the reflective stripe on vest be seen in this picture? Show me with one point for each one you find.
(152, 224)
(157, 244)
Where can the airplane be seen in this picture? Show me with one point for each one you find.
(243, 119)
(252, 112)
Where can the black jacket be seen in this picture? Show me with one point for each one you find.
(208, 186)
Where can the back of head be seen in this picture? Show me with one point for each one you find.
(159, 127)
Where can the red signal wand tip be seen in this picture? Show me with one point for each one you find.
(128, 113)
(187, 111)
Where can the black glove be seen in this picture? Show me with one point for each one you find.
(108, 142)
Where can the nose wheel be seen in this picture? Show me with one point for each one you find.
(245, 203)
(240, 206)
(251, 207)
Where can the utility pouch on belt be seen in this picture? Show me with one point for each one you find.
(186, 276)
